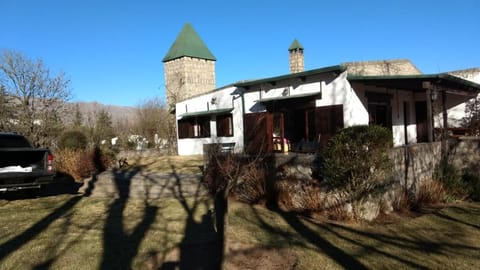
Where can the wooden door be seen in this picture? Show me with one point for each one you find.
(328, 120)
(421, 121)
(258, 132)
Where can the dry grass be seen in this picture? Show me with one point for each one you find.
(74, 232)
(448, 238)
(430, 192)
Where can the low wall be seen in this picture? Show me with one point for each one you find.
(416, 163)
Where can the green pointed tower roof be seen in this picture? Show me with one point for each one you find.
(295, 45)
(188, 43)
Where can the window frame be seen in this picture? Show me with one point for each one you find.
(194, 127)
(224, 125)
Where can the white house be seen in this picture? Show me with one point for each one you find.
(300, 111)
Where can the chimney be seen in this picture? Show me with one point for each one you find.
(296, 57)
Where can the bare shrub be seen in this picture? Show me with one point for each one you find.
(402, 203)
(251, 187)
(81, 163)
(429, 192)
(299, 195)
(241, 177)
(76, 163)
(338, 212)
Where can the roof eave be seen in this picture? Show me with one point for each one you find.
(337, 68)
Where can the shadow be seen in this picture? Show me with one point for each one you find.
(23, 238)
(120, 247)
(453, 219)
(62, 184)
(341, 257)
(202, 246)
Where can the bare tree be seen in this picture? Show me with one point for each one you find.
(152, 118)
(36, 98)
(472, 116)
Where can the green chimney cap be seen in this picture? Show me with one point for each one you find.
(188, 43)
(295, 45)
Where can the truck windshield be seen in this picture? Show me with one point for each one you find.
(13, 141)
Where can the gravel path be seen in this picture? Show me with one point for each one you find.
(144, 185)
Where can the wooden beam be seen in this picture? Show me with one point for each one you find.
(445, 124)
(429, 114)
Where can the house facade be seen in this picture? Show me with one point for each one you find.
(300, 111)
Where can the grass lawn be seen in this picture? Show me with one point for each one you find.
(75, 232)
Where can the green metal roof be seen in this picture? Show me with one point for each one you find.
(188, 43)
(338, 69)
(413, 82)
(295, 45)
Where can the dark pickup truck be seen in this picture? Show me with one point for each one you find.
(21, 165)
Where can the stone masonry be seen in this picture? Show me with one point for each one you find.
(381, 68)
(188, 76)
(296, 61)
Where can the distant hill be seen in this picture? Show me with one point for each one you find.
(118, 113)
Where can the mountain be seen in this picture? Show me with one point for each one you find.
(118, 113)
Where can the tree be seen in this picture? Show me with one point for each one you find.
(152, 118)
(103, 129)
(6, 111)
(78, 117)
(36, 97)
(472, 116)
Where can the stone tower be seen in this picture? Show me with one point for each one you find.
(189, 67)
(296, 57)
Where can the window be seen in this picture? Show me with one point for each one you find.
(379, 109)
(225, 125)
(195, 127)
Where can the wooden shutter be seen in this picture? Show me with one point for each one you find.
(258, 133)
(328, 120)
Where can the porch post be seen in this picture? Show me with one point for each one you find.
(445, 124)
(427, 86)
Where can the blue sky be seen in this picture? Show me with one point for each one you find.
(112, 50)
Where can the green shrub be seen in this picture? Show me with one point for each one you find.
(357, 160)
(73, 139)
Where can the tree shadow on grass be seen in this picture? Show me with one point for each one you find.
(201, 246)
(66, 186)
(32, 232)
(340, 256)
(121, 247)
(346, 244)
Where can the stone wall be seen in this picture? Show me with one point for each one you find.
(187, 76)
(296, 61)
(417, 163)
(385, 67)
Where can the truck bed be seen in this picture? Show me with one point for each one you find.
(36, 159)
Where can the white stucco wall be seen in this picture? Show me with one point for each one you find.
(224, 99)
(340, 92)
(359, 111)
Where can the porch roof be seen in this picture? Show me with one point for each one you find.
(203, 113)
(269, 99)
(415, 82)
(337, 68)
